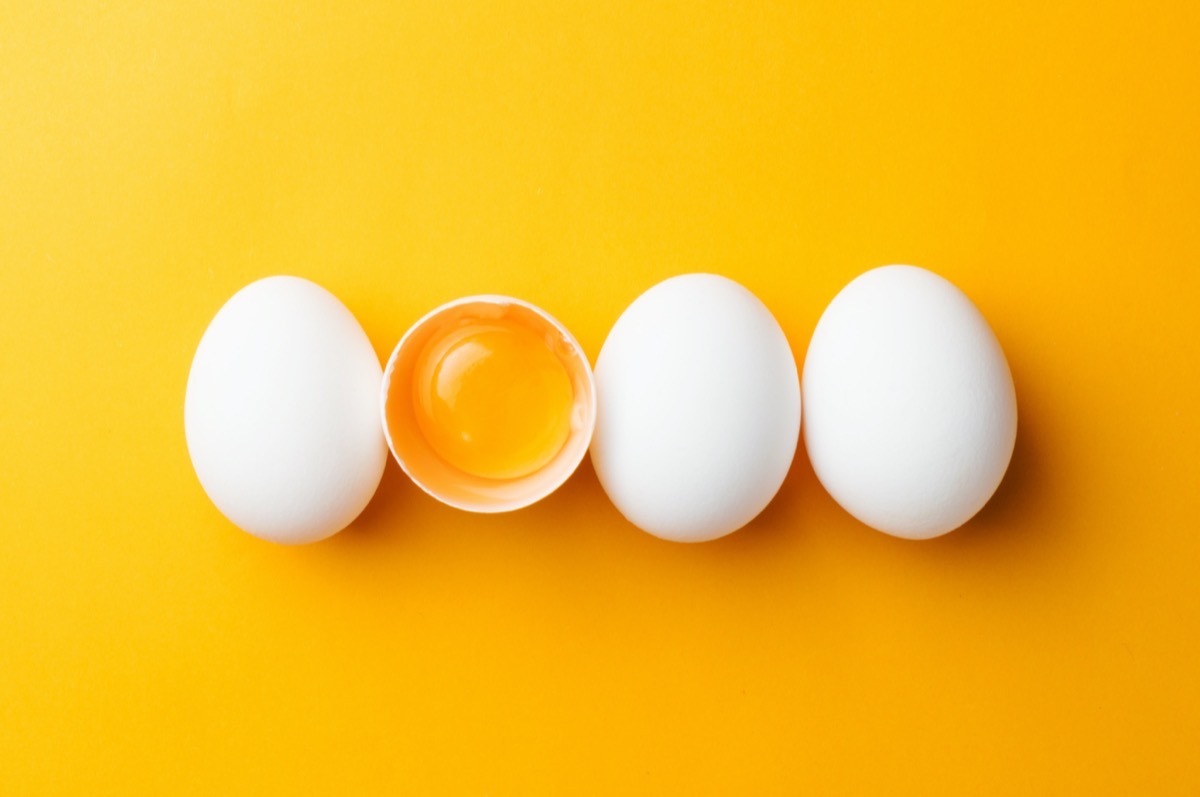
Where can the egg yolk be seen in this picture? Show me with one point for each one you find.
(492, 399)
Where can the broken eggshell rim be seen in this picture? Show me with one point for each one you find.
(585, 431)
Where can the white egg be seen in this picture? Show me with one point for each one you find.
(698, 409)
(282, 414)
(909, 411)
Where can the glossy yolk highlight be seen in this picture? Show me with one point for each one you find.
(493, 400)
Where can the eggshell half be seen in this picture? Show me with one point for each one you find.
(434, 475)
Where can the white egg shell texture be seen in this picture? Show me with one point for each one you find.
(282, 412)
(698, 409)
(910, 414)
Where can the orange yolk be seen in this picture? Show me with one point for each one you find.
(492, 399)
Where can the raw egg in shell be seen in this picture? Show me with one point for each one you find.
(488, 403)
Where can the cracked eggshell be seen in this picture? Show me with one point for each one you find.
(417, 458)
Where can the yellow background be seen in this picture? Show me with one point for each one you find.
(156, 157)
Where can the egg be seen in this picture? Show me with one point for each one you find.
(281, 414)
(699, 409)
(910, 412)
(488, 403)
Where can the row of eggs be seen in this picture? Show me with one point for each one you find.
(692, 414)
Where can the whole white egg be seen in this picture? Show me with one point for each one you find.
(282, 412)
(698, 410)
(910, 412)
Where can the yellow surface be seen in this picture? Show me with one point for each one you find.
(155, 157)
